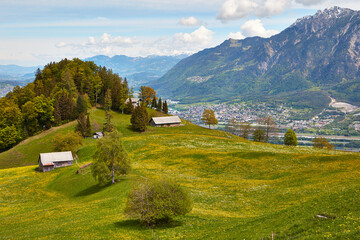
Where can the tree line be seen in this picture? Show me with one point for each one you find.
(61, 92)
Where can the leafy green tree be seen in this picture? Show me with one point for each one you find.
(30, 118)
(152, 201)
(208, 117)
(290, 138)
(320, 142)
(139, 118)
(67, 81)
(165, 108)
(259, 135)
(44, 108)
(159, 105)
(67, 142)
(107, 102)
(110, 159)
(9, 136)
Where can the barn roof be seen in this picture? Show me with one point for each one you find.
(166, 120)
(49, 158)
(133, 100)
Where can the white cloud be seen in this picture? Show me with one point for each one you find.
(201, 36)
(310, 2)
(238, 9)
(190, 21)
(60, 45)
(255, 27)
(237, 35)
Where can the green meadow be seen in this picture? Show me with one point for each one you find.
(240, 189)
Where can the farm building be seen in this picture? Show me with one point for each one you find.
(98, 135)
(165, 121)
(49, 161)
(134, 101)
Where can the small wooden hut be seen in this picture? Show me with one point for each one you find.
(49, 161)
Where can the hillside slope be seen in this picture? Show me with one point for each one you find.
(315, 57)
(240, 189)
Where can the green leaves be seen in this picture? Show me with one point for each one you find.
(153, 200)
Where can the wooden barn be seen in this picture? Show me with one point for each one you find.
(171, 121)
(49, 161)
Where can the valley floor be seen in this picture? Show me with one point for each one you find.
(240, 189)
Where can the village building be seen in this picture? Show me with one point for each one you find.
(98, 135)
(134, 101)
(165, 121)
(49, 161)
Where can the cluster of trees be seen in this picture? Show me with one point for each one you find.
(266, 127)
(60, 93)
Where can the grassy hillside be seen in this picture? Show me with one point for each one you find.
(240, 189)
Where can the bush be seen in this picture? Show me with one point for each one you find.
(290, 138)
(67, 142)
(152, 201)
(321, 142)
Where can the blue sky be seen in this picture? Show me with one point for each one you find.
(39, 31)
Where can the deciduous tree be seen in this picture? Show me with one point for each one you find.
(259, 135)
(269, 125)
(110, 159)
(147, 94)
(290, 138)
(320, 142)
(208, 117)
(152, 201)
(67, 142)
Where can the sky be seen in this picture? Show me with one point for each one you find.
(36, 32)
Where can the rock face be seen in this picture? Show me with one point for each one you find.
(316, 57)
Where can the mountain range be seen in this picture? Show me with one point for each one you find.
(138, 70)
(316, 57)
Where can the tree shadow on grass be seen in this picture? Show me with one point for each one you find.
(91, 190)
(137, 225)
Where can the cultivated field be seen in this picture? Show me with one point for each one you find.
(240, 189)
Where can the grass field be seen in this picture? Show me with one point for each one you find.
(240, 189)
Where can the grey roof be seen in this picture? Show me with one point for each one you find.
(99, 134)
(47, 158)
(166, 120)
(133, 100)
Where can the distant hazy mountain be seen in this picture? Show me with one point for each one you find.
(138, 70)
(315, 57)
(16, 73)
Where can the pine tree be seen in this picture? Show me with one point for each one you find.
(81, 105)
(108, 126)
(107, 101)
(129, 107)
(154, 103)
(88, 126)
(159, 105)
(83, 127)
(139, 118)
(165, 108)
